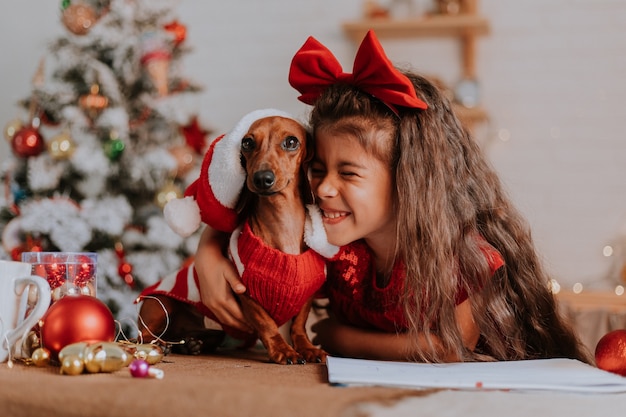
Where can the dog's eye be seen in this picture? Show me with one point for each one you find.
(247, 144)
(291, 143)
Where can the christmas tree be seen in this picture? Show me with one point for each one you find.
(106, 138)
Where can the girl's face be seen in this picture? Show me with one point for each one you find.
(354, 191)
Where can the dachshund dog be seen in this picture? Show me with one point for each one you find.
(273, 222)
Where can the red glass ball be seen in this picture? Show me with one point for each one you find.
(27, 142)
(610, 353)
(76, 318)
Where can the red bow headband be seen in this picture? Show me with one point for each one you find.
(314, 68)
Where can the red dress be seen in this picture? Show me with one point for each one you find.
(356, 298)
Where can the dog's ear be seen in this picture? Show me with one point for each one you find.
(242, 160)
(306, 190)
(309, 150)
(245, 203)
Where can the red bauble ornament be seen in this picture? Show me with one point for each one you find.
(610, 352)
(76, 318)
(27, 142)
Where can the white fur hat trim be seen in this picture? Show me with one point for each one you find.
(182, 215)
(315, 234)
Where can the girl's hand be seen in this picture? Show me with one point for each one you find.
(328, 334)
(218, 280)
(354, 342)
(336, 338)
(344, 340)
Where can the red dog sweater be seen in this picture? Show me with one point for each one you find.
(280, 282)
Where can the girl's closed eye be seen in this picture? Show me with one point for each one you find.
(353, 170)
(348, 174)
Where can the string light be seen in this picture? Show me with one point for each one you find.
(504, 135)
(577, 288)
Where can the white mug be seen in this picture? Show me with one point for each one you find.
(15, 279)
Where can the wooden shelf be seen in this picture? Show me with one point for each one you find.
(593, 300)
(430, 26)
(470, 116)
(466, 27)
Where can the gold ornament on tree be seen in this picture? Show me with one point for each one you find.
(61, 146)
(93, 103)
(79, 18)
(12, 128)
(169, 192)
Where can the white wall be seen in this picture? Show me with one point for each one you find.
(551, 76)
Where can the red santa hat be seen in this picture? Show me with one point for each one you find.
(213, 196)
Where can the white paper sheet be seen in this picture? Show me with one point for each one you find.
(565, 375)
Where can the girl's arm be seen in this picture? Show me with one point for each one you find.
(348, 341)
(218, 280)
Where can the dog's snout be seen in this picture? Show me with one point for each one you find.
(264, 180)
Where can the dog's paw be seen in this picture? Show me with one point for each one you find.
(286, 355)
(313, 355)
(287, 358)
(281, 352)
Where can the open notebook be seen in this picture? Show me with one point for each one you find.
(565, 375)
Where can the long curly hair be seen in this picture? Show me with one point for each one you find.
(445, 195)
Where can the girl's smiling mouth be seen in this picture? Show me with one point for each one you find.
(331, 216)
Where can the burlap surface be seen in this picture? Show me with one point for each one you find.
(232, 384)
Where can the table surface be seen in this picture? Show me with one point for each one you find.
(233, 384)
(245, 384)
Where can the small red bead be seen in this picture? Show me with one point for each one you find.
(125, 268)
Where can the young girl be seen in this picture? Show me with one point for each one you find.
(436, 264)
